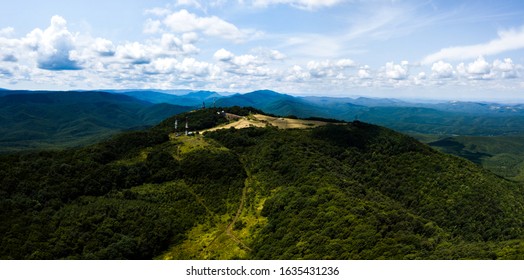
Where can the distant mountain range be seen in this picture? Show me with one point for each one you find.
(446, 118)
(36, 119)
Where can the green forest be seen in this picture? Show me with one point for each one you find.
(346, 190)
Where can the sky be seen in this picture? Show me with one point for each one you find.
(456, 50)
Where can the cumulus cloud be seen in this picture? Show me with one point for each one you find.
(9, 58)
(7, 32)
(238, 61)
(55, 46)
(328, 68)
(223, 55)
(246, 64)
(184, 21)
(269, 54)
(104, 47)
(397, 71)
(479, 67)
(364, 72)
(442, 69)
(507, 40)
(135, 52)
(276, 55)
(5, 73)
(159, 12)
(189, 3)
(152, 26)
(302, 4)
(506, 67)
(297, 74)
(190, 67)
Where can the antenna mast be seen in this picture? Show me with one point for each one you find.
(187, 126)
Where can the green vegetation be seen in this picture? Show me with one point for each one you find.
(503, 155)
(340, 191)
(53, 120)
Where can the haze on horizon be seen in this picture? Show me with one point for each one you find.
(461, 50)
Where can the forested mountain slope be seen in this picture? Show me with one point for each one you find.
(339, 191)
(37, 120)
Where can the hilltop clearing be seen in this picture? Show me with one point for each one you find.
(260, 120)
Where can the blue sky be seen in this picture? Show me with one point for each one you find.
(471, 50)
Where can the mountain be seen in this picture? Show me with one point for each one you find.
(447, 118)
(333, 191)
(503, 155)
(164, 91)
(258, 99)
(35, 120)
(191, 99)
(361, 101)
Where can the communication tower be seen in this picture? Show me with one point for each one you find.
(187, 126)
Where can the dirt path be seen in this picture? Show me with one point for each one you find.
(230, 226)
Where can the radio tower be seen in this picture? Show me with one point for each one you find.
(176, 125)
(186, 126)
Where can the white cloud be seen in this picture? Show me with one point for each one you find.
(276, 55)
(162, 65)
(297, 74)
(397, 71)
(479, 67)
(170, 42)
(189, 3)
(223, 55)
(153, 26)
(54, 46)
(245, 60)
(507, 41)
(190, 67)
(135, 52)
(442, 69)
(5, 73)
(104, 47)
(364, 72)
(506, 68)
(302, 4)
(7, 32)
(184, 21)
(344, 63)
(159, 12)
(237, 61)
(328, 68)
(9, 58)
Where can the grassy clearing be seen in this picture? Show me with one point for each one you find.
(210, 239)
(259, 120)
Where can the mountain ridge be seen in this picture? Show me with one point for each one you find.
(338, 191)
(64, 119)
